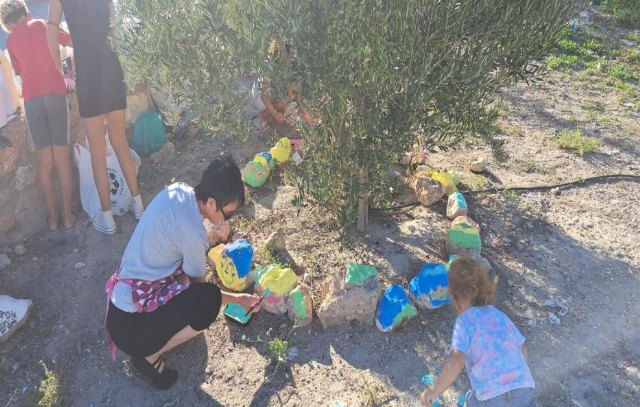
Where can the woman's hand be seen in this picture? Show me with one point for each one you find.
(247, 301)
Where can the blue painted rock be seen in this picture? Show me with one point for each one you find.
(280, 281)
(464, 236)
(255, 174)
(265, 159)
(233, 264)
(456, 205)
(300, 305)
(429, 289)
(394, 308)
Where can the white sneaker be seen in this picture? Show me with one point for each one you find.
(136, 207)
(105, 223)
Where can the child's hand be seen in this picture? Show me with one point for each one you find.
(428, 396)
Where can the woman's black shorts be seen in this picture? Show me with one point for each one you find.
(143, 334)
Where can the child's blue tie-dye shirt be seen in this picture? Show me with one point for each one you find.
(491, 342)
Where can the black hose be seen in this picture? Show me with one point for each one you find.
(580, 182)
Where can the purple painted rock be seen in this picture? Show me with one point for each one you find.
(300, 305)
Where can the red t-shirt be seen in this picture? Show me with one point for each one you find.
(31, 59)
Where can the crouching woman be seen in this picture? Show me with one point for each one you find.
(159, 298)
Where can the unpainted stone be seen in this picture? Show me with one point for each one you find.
(342, 305)
(275, 241)
(478, 165)
(427, 190)
(20, 250)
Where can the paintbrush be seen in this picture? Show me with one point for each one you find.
(265, 294)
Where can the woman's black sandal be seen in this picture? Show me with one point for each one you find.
(162, 380)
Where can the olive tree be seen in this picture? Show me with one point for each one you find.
(378, 73)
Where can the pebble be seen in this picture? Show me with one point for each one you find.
(553, 319)
(20, 250)
(79, 265)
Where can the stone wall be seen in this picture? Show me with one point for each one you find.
(22, 211)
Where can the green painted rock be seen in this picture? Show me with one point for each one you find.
(255, 174)
(463, 236)
(357, 274)
(300, 305)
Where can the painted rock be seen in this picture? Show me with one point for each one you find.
(233, 264)
(449, 180)
(342, 305)
(463, 236)
(394, 308)
(478, 165)
(255, 174)
(456, 205)
(357, 274)
(429, 289)
(265, 159)
(281, 151)
(280, 281)
(427, 190)
(300, 305)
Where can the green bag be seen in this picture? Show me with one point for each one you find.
(149, 134)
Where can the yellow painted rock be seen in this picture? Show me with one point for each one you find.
(265, 159)
(281, 151)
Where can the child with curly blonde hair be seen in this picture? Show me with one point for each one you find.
(485, 341)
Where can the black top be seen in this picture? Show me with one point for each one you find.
(99, 78)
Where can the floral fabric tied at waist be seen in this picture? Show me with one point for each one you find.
(147, 296)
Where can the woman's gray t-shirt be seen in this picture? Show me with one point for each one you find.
(169, 234)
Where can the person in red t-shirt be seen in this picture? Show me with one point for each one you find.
(45, 103)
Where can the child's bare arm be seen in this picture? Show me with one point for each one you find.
(452, 368)
(53, 31)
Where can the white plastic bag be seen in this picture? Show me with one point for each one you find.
(119, 190)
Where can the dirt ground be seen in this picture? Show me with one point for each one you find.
(579, 245)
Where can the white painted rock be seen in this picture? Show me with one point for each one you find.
(13, 314)
(478, 165)
(428, 191)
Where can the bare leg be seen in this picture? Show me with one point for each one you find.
(95, 133)
(44, 172)
(118, 138)
(178, 339)
(62, 163)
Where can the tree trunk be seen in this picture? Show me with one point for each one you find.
(363, 204)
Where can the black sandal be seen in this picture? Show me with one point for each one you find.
(163, 380)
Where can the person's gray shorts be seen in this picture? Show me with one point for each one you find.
(48, 120)
(513, 398)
